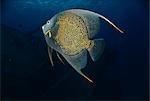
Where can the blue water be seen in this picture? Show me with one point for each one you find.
(120, 73)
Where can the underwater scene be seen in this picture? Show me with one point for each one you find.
(29, 71)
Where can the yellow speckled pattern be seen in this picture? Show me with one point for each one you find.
(72, 35)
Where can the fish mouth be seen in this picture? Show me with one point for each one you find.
(48, 33)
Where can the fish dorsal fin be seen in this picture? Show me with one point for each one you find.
(117, 28)
(87, 12)
(78, 62)
(91, 21)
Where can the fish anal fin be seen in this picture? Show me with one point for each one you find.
(87, 78)
(78, 62)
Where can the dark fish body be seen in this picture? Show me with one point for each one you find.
(71, 33)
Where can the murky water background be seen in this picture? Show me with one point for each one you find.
(121, 72)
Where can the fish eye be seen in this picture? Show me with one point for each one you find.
(48, 22)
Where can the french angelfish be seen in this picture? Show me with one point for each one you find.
(71, 32)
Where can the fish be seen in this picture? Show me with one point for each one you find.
(71, 34)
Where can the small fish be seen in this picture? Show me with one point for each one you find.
(71, 32)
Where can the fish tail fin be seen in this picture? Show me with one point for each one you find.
(96, 49)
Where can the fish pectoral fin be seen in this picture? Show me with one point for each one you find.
(50, 55)
(59, 57)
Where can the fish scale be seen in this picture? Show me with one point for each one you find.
(72, 34)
